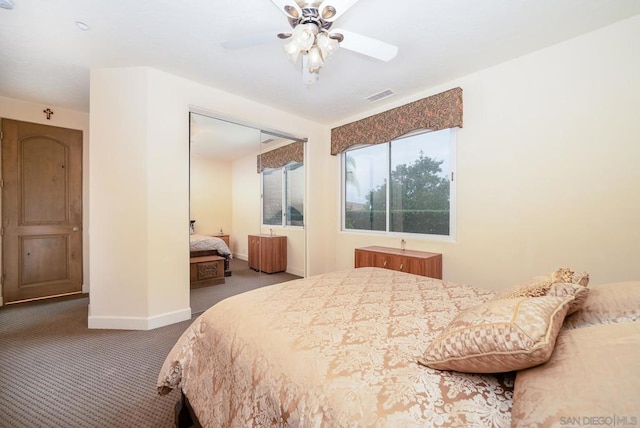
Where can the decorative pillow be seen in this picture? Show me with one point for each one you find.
(591, 378)
(564, 289)
(499, 335)
(539, 285)
(608, 303)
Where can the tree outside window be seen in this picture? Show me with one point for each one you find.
(418, 199)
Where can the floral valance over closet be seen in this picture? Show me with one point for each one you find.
(281, 156)
(440, 111)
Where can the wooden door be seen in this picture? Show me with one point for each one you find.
(41, 211)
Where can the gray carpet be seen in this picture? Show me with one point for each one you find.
(242, 279)
(55, 372)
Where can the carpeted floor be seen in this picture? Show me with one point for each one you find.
(242, 279)
(55, 372)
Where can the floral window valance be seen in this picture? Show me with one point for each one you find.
(281, 156)
(440, 111)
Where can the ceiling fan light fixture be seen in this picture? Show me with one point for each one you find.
(314, 45)
(303, 40)
(305, 35)
(327, 45)
(293, 50)
(311, 21)
(328, 12)
(315, 59)
(291, 12)
(337, 37)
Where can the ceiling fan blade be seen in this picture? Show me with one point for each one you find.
(366, 45)
(255, 39)
(288, 7)
(341, 6)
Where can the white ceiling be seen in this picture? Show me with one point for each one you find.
(45, 58)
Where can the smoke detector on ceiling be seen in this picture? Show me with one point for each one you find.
(6, 4)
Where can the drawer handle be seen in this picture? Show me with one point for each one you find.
(384, 264)
(401, 266)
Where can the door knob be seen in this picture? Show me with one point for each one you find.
(75, 228)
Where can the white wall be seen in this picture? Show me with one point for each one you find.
(246, 204)
(547, 170)
(140, 197)
(119, 211)
(211, 195)
(64, 118)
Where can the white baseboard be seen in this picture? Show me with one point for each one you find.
(138, 323)
(299, 272)
(244, 257)
(169, 318)
(293, 271)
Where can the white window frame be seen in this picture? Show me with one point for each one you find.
(283, 222)
(453, 137)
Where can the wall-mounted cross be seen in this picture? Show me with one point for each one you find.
(48, 112)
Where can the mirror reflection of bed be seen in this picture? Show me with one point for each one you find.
(209, 258)
(225, 210)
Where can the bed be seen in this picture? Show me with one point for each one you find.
(337, 349)
(349, 349)
(204, 245)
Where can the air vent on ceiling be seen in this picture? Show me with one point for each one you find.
(380, 95)
(268, 140)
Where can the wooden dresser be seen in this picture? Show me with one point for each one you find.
(268, 253)
(206, 270)
(416, 262)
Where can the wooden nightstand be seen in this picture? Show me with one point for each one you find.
(416, 262)
(225, 238)
(268, 253)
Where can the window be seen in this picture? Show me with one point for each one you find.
(283, 187)
(419, 198)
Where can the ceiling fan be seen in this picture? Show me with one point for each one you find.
(312, 37)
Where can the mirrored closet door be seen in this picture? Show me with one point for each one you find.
(246, 207)
(281, 167)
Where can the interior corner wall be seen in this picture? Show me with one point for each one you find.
(547, 166)
(65, 118)
(140, 134)
(118, 170)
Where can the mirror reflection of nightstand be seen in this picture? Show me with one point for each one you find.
(225, 238)
(267, 253)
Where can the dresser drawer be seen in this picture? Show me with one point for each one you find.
(416, 262)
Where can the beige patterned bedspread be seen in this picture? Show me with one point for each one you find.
(334, 350)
